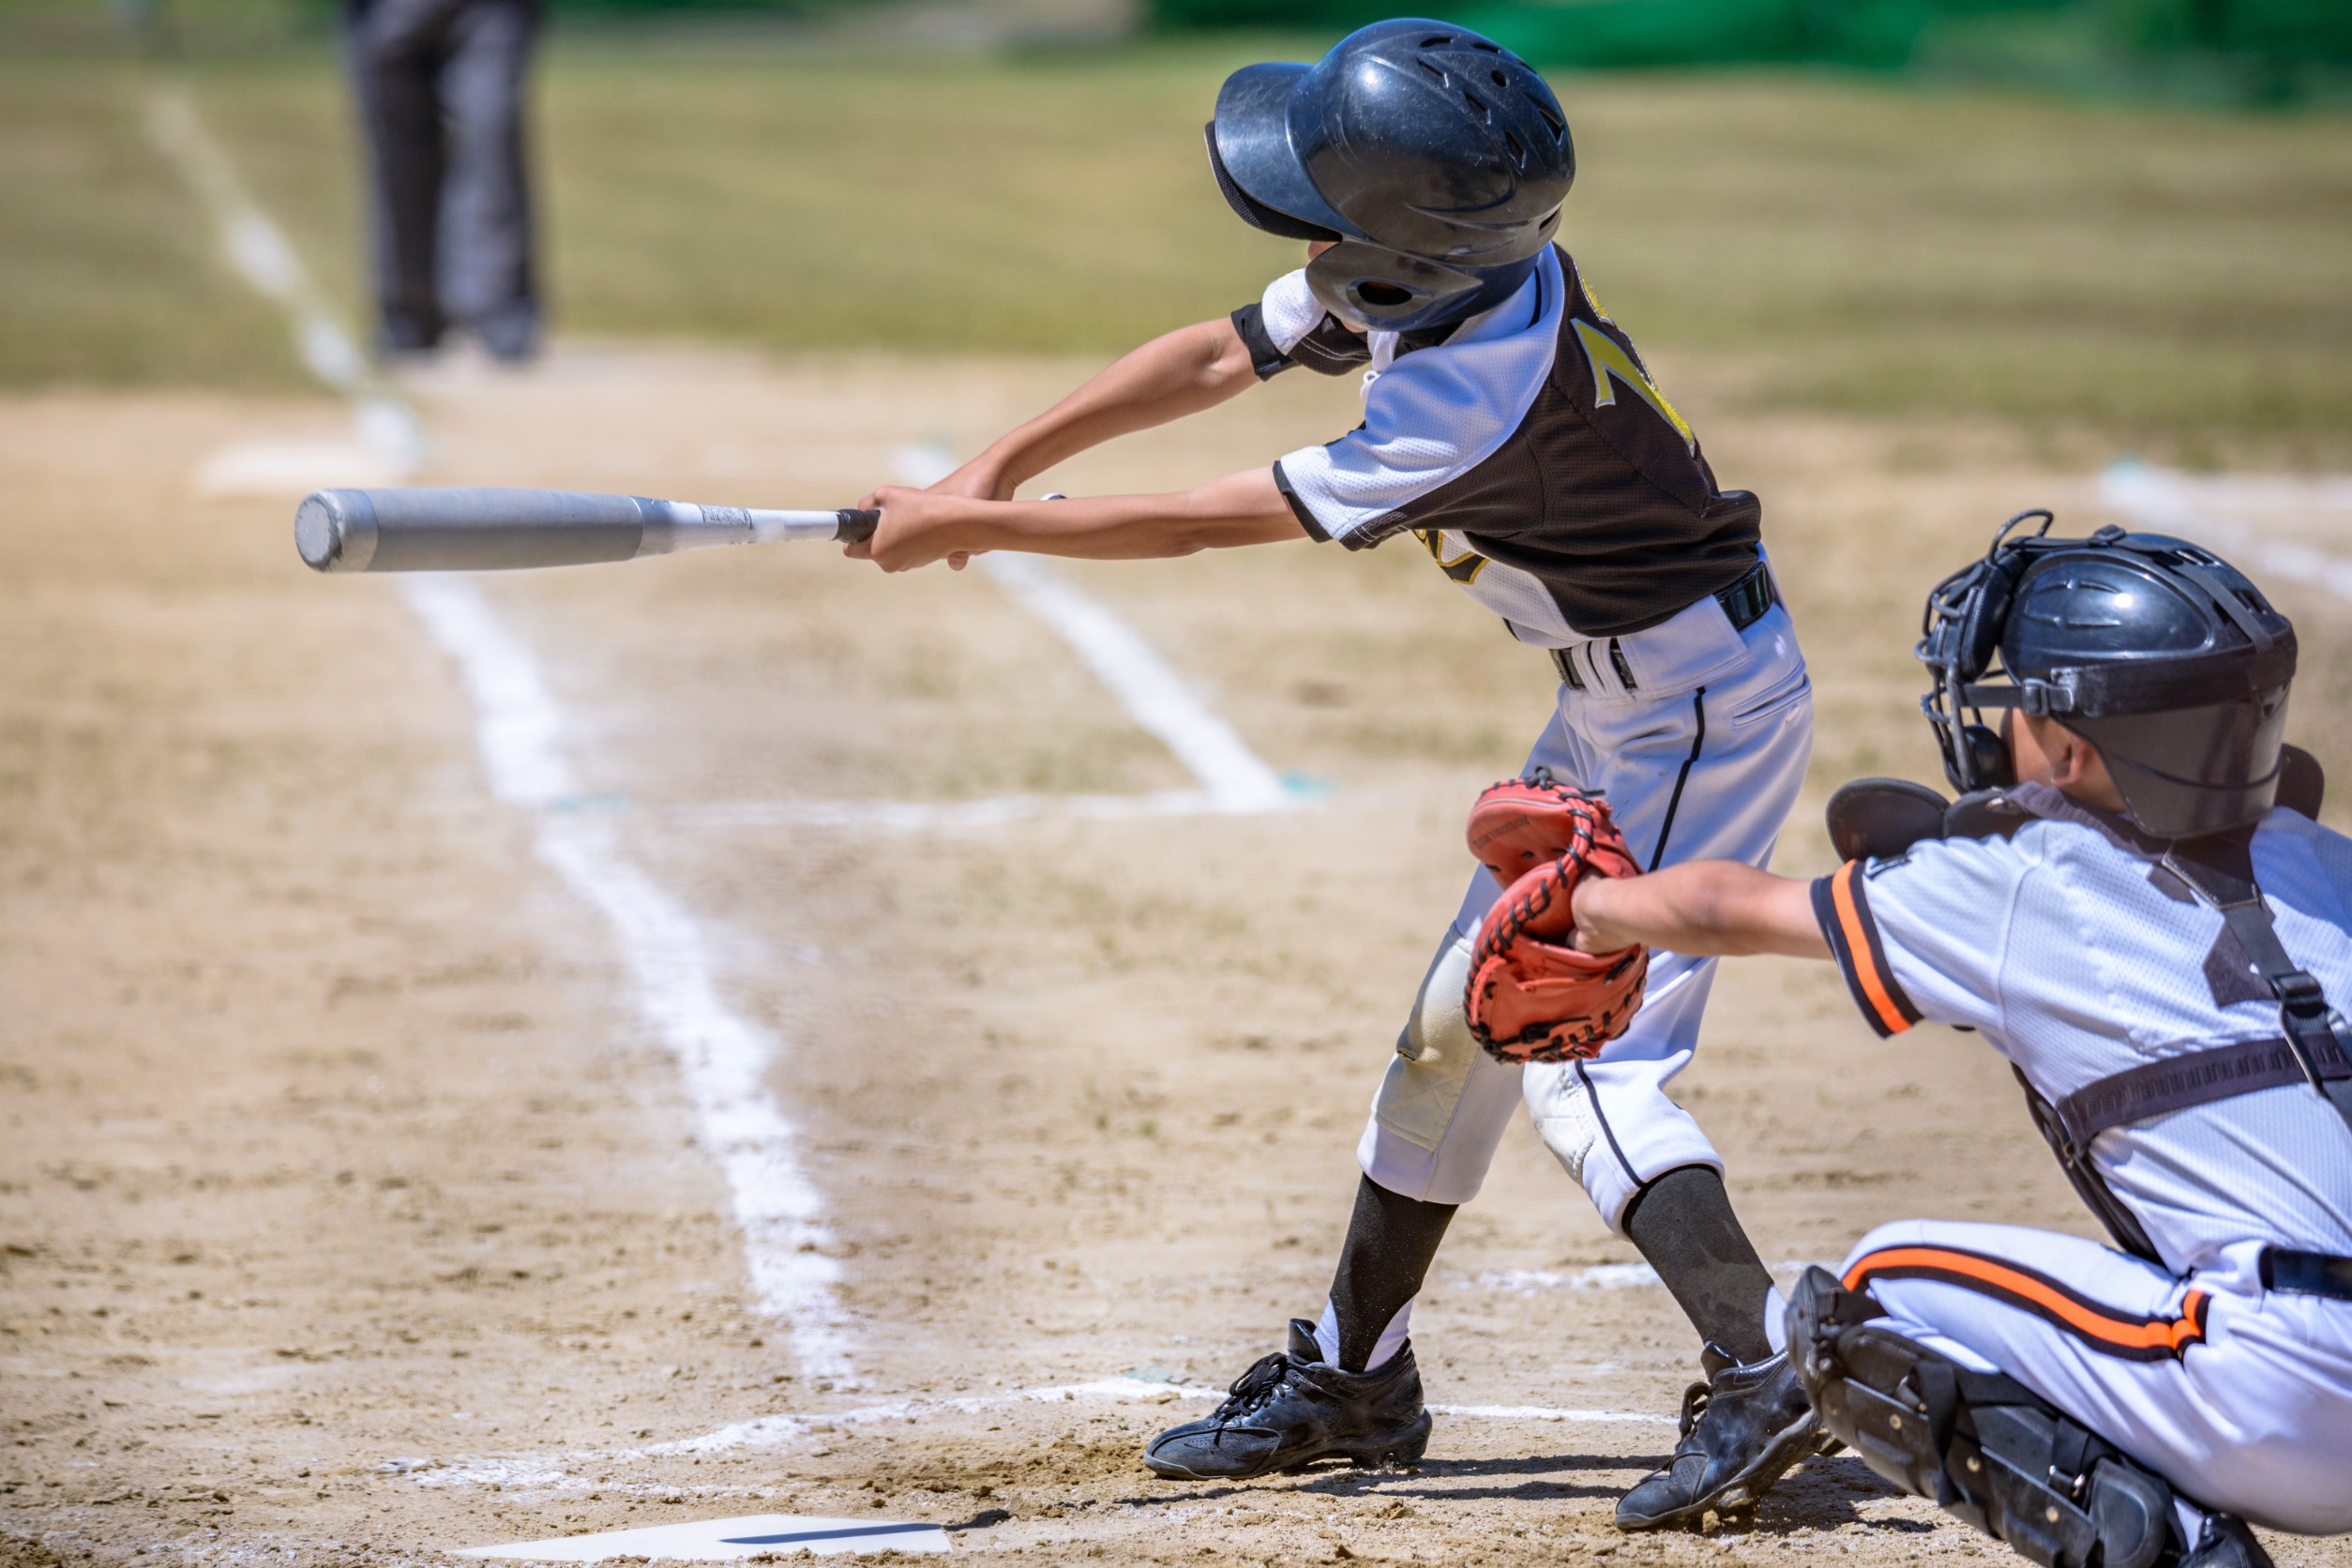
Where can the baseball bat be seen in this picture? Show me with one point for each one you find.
(477, 528)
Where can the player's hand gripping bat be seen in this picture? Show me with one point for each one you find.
(477, 528)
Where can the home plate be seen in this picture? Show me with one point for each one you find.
(711, 1540)
(292, 468)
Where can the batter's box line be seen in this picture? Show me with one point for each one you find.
(554, 1471)
(1233, 777)
(987, 812)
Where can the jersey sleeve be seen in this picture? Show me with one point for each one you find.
(1290, 327)
(1430, 415)
(1923, 935)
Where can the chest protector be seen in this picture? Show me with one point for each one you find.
(1874, 818)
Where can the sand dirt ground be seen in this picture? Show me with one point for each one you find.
(351, 1213)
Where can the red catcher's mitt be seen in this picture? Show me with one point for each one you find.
(1530, 997)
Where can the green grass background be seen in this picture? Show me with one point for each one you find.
(2176, 281)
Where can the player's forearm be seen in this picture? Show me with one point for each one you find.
(919, 527)
(1182, 372)
(1704, 908)
(1216, 516)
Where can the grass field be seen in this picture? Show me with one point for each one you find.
(2178, 282)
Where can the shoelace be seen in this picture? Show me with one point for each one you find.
(1694, 1405)
(1254, 1387)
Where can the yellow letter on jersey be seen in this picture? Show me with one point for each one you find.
(1608, 359)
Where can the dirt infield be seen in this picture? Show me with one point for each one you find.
(353, 1213)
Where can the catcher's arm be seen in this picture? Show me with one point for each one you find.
(1704, 908)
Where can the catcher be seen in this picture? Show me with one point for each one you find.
(2133, 905)
(1510, 426)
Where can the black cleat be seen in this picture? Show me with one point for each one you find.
(2227, 1542)
(1291, 1408)
(1741, 1428)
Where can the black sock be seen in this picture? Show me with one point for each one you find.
(1683, 1224)
(1390, 1243)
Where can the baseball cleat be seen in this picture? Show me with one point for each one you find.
(2227, 1542)
(1291, 1408)
(1741, 1428)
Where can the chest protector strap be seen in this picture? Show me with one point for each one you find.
(2318, 1042)
(2314, 1045)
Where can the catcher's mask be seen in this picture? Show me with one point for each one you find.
(1437, 160)
(2160, 653)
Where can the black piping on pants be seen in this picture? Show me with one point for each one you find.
(1666, 829)
(1593, 1098)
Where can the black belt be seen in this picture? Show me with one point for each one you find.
(1745, 603)
(1746, 600)
(2307, 1273)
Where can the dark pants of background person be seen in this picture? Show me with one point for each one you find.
(440, 85)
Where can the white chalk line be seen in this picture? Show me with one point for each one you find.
(387, 428)
(2220, 509)
(950, 816)
(562, 1472)
(722, 1059)
(519, 728)
(1237, 782)
(1597, 1277)
(1600, 1276)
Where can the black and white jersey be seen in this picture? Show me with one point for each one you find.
(1527, 447)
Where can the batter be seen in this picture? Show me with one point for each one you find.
(1512, 430)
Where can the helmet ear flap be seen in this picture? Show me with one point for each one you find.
(1372, 286)
(1988, 756)
(1980, 634)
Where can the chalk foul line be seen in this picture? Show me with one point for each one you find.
(385, 429)
(722, 1059)
(1234, 780)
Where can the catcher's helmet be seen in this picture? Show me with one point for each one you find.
(2160, 653)
(1435, 159)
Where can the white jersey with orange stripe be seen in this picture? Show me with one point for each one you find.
(2078, 959)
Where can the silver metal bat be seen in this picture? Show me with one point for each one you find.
(477, 528)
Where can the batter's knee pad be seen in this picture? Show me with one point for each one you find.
(1979, 1445)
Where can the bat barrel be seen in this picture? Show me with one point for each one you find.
(477, 528)
(465, 528)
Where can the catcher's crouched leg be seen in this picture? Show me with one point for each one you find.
(1979, 1445)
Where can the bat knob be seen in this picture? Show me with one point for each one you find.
(335, 531)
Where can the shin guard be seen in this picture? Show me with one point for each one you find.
(1979, 1445)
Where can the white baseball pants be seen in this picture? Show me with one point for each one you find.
(1700, 754)
(2242, 1398)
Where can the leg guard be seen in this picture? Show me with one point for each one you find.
(1979, 1445)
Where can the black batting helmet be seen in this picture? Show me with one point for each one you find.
(1435, 161)
(2156, 651)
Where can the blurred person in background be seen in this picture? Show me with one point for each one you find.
(440, 86)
